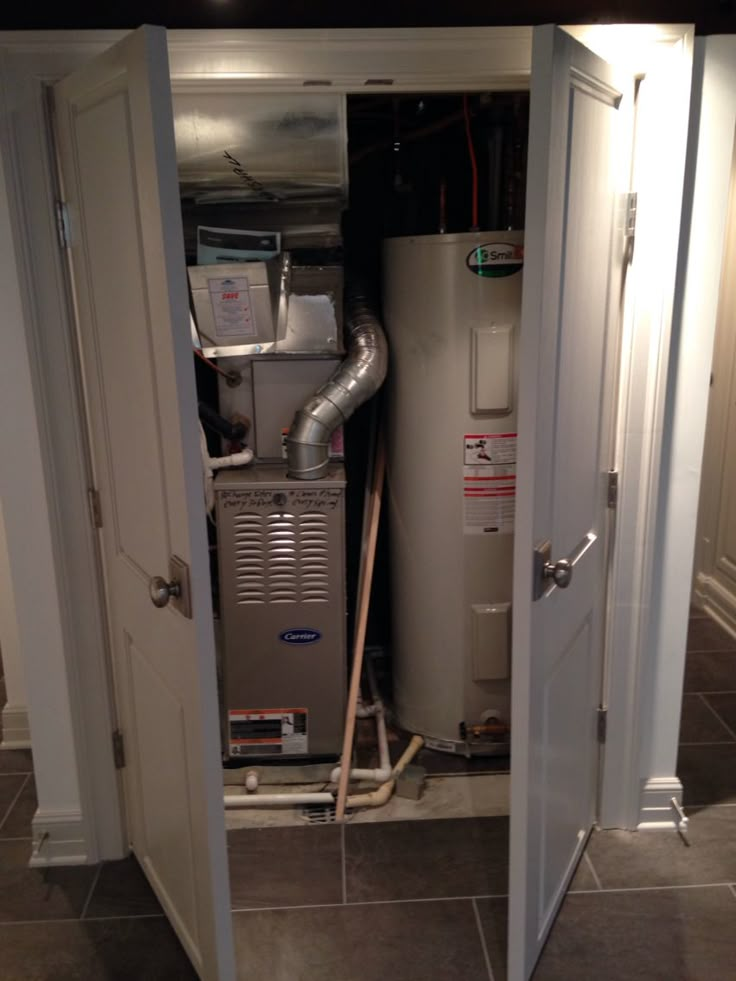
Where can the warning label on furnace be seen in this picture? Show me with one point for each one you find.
(489, 483)
(268, 732)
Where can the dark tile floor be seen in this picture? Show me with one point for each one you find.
(419, 901)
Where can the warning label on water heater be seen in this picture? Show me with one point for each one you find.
(258, 732)
(489, 483)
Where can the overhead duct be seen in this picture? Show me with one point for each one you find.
(359, 377)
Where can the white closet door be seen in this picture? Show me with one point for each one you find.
(117, 157)
(567, 376)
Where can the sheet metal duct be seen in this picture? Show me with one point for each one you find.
(261, 147)
(359, 377)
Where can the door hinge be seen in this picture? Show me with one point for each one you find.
(118, 749)
(95, 510)
(602, 723)
(630, 216)
(62, 224)
(612, 492)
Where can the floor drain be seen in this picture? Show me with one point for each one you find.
(320, 814)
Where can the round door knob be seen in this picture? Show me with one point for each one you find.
(161, 591)
(560, 571)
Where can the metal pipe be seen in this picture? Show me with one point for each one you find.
(359, 377)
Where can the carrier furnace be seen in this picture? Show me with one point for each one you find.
(452, 307)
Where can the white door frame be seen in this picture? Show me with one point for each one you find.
(356, 60)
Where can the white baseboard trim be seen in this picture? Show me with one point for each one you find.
(716, 600)
(16, 729)
(656, 812)
(59, 838)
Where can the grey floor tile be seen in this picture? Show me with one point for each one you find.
(434, 941)
(677, 934)
(18, 822)
(427, 859)
(626, 859)
(725, 706)
(696, 613)
(113, 950)
(708, 774)
(583, 880)
(706, 635)
(16, 761)
(39, 894)
(285, 866)
(10, 786)
(698, 724)
(122, 890)
(714, 671)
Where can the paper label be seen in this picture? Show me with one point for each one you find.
(230, 299)
(259, 732)
(489, 483)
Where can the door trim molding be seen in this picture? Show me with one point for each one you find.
(655, 810)
(59, 838)
(16, 728)
(717, 601)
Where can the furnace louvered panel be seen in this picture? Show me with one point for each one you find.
(282, 558)
(282, 606)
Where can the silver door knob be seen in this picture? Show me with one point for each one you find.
(161, 591)
(560, 571)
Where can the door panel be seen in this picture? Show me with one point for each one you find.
(118, 168)
(568, 365)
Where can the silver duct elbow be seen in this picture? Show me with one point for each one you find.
(359, 377)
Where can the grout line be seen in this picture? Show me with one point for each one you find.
(95, 880)
(686, 885)
(90, 919)
(365, 902)
(717, 650)
(593, 872)
(14, 801)
(29, 773)
(722, 742)
(344, 865)
(725, 725)
(713, 691)
(17, 838)
(483, 943)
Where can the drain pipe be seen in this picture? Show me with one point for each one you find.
(359, 377)
(383, 772)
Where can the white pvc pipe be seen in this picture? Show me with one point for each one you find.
(383, 772)
(381, 796)
(272, 800)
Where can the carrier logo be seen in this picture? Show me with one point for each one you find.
(496, 259)
(302, 635)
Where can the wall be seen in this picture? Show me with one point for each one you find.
(31, 559)
(715, 550)
(15, 727)
(699, 267)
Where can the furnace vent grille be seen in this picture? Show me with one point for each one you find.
(282, 558)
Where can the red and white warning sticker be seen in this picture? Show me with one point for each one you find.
(272, 731)
(489, 483)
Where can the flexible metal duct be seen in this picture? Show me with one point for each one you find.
(359, 377)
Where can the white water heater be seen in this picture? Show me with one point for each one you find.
(452, 309)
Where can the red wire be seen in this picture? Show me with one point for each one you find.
(473, 162)
(210, 363)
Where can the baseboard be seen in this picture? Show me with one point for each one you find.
(16, 730)
(717, 601)
(59, 838)
(656, 812)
